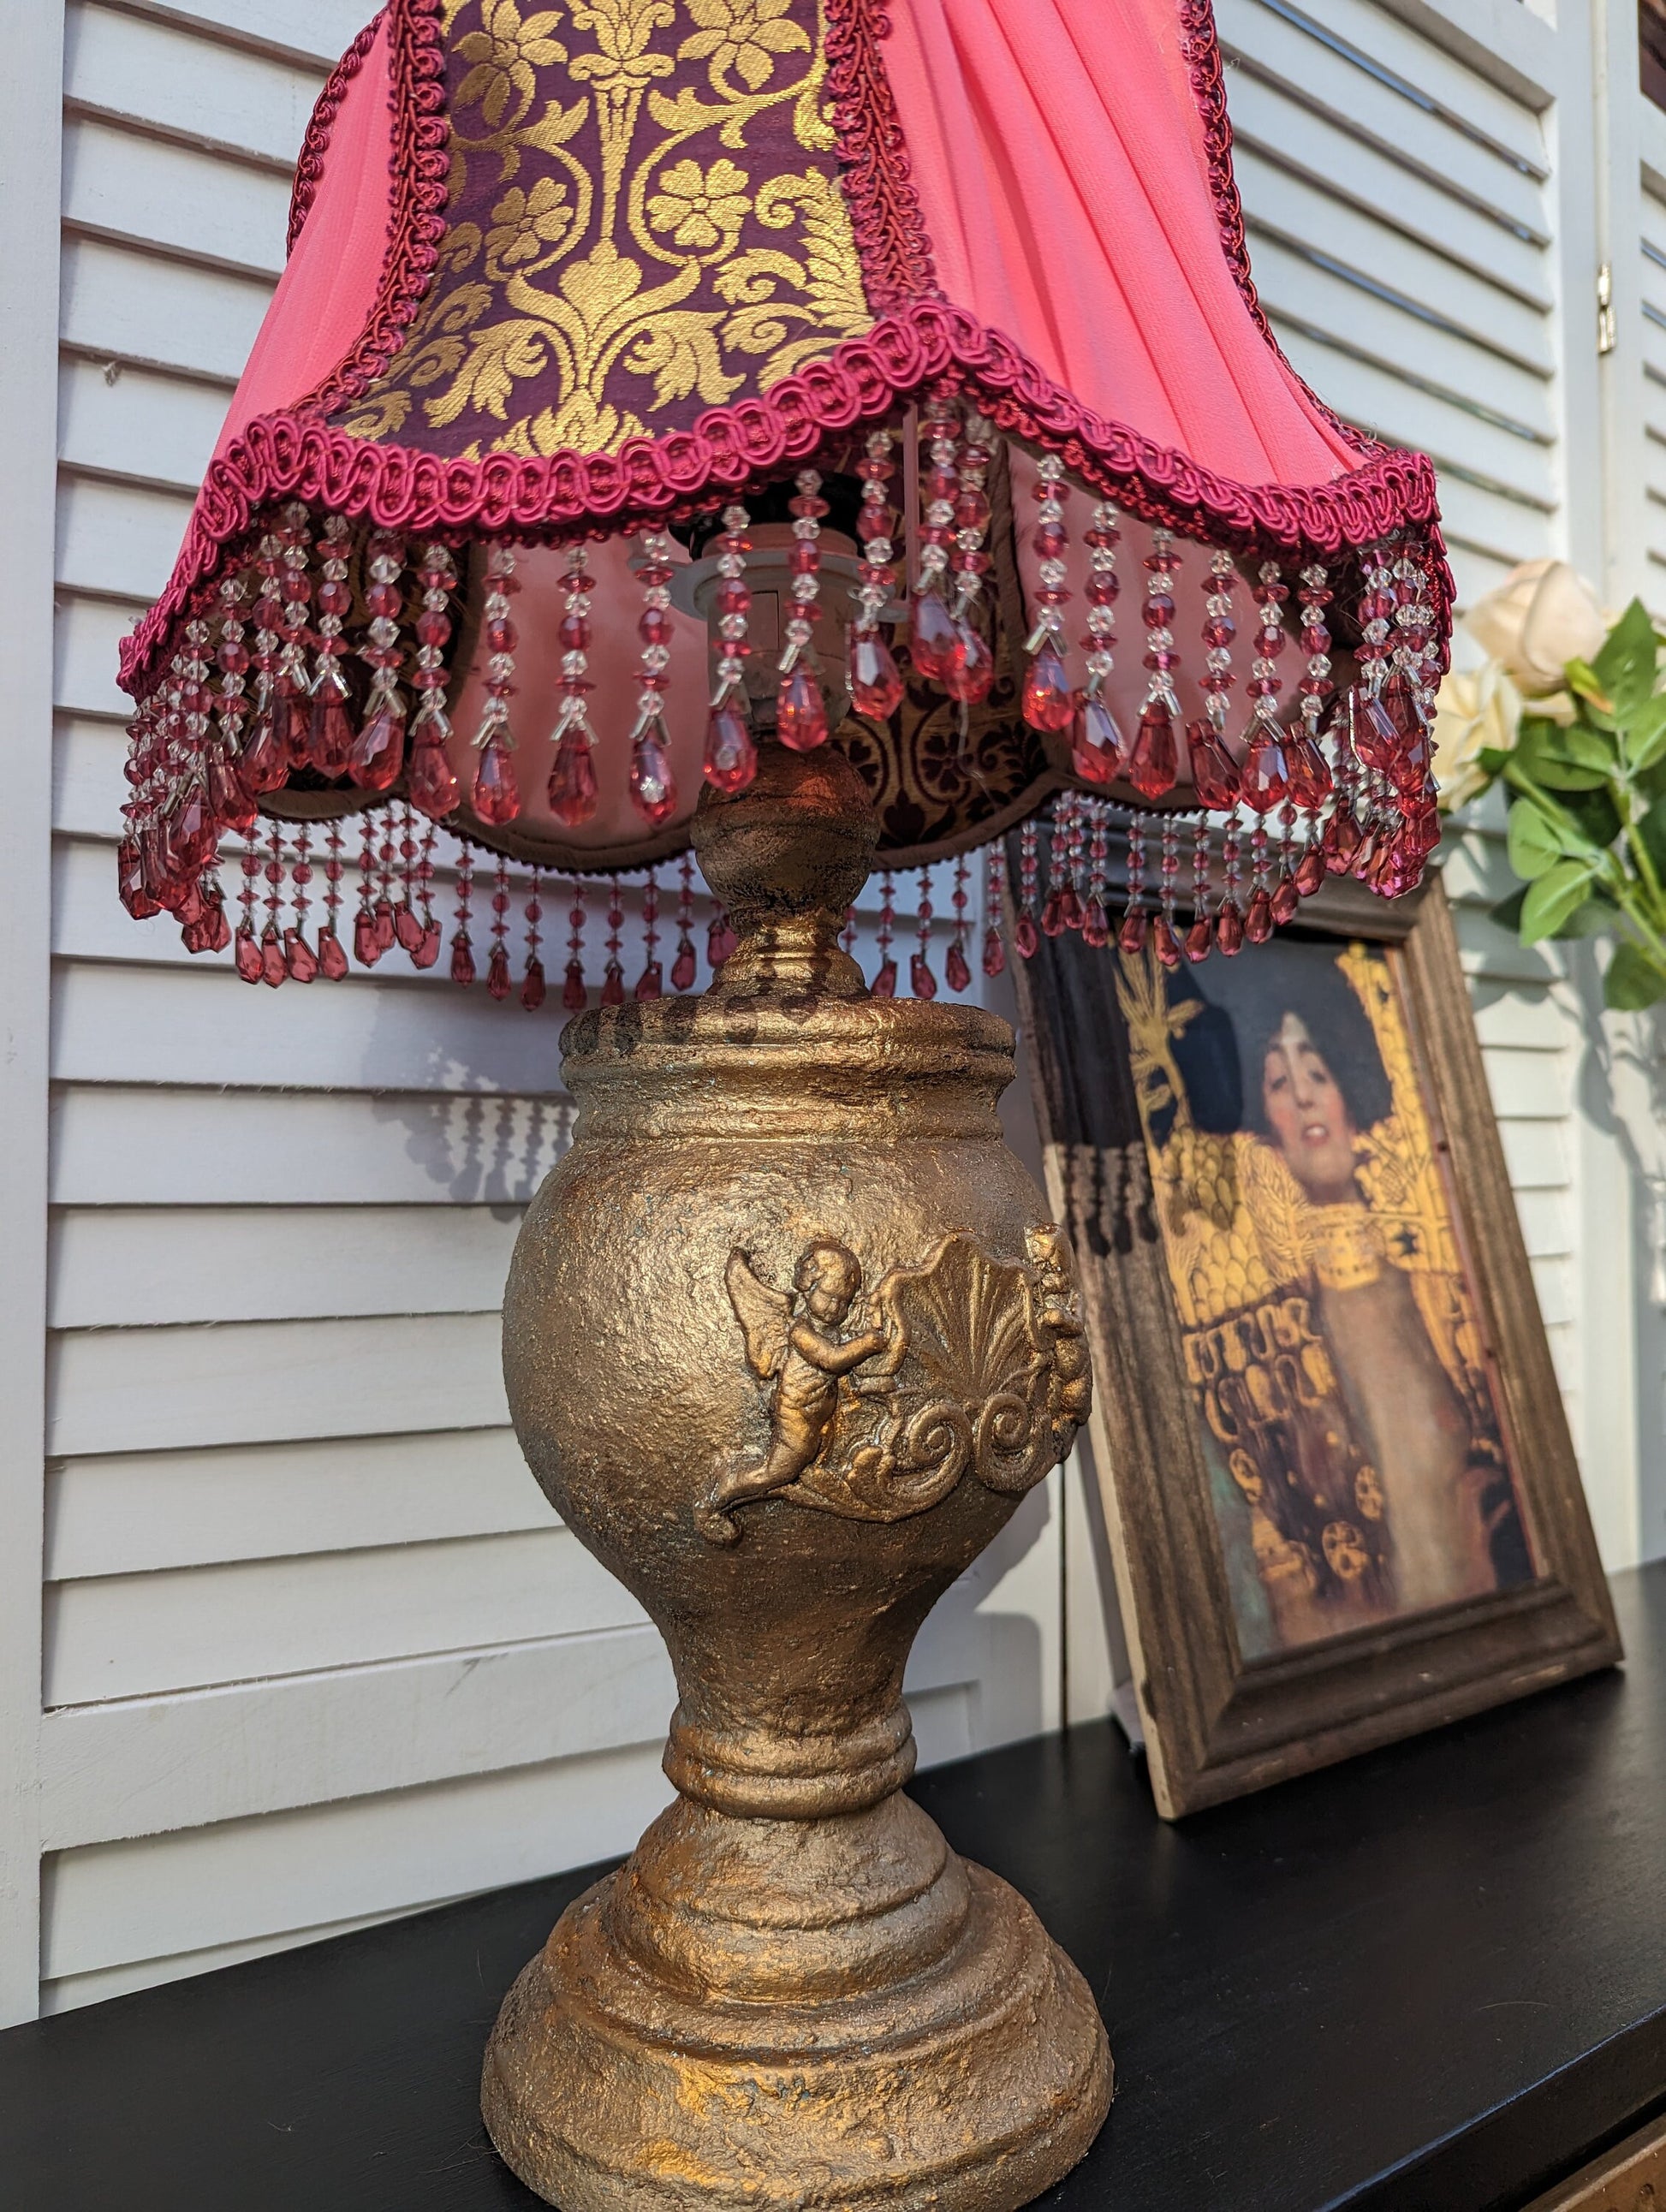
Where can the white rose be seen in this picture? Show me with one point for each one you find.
(1476, 709)
(1541, 617)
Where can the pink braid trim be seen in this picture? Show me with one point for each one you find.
(885, 208)
(309, 169)
(924, 345)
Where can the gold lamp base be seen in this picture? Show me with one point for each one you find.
(787, 1337)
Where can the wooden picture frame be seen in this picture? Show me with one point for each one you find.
(1220, 1718)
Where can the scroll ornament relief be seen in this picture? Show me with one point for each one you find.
(880, 1406)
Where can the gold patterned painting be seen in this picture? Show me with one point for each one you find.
(1359, 1469)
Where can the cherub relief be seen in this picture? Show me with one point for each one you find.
(806, 1356)
(1058, 1317)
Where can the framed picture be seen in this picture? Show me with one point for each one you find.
(1340, 1491)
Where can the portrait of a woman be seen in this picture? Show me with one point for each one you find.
(1331, 1337)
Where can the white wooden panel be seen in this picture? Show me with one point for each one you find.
(150, 1025)
(255, 1263)
(134, 1635)
(130, 1512)
(122, 303)
(163, 73)
(88, 637)
(169, 1389)
(136, 424)
(1293, 57)
(402, 1849)
(118, 537)
(1332, 153)
(113, 1146)
(118, 184)
(312, 34)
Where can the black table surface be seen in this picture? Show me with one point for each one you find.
(1433, 1979)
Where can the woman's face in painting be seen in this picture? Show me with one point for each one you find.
(1306, 1113)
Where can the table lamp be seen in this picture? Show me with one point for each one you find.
(809, 439)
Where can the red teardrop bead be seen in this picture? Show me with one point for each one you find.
(884, 983)
(1152, 766)
(294, 719)
(1096, 742)
(1166, 943)
(379, 751)
(574, 995)
(432, 784)
(532, 985)
(876, 681)
(330, 735)
(1341, 841)
(1049, 700)
(265, 763)
(462, 961)
(1306, 770)
(956, 968)
(250, 965)
(652, 787)
(408, 929)
(1132, 933)
(1199, 938)
(426, 950)
(934, 638)
(573, 780)
(685, 968)
(921, 981)
(800, 712)
(1285, 900)
(386, 926)
(300, 958)
(1376, 739)
(230, 803)
(649, 984)
(498, 982)
(496, 792)
(721, 942)
(1026, 937)
(1266, 784)
(1096, 923)
(274, 967)
(1215, 775)
(1309, 871)
(972, 669)
(331, 957)
(1258, 923)
(130, 884)
(1052, 914)
(731, 754)
(367, 944)
(994, 953)
(1229, 928)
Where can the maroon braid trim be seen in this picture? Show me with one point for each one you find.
(417, 228)
(730, 449)
(884, 208)
(309, 169)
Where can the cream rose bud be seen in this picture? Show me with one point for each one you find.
(1541, 617)
(1477, 709)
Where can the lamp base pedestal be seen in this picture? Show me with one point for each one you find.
(778, 2014)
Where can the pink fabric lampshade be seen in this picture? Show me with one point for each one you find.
(978, 266)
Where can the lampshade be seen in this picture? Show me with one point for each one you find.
(650, 380)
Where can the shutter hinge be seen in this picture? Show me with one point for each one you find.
(1605, 326)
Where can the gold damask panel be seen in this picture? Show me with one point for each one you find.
(646, 220)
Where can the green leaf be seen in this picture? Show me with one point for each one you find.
(1583, 679)
(1634, 981)
(1508, 912)
(1626, 667)
(1594, 813)
(1553, 898)
(1645, 734)
(1555, 757)
(1592, 917)
(1534, 847)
